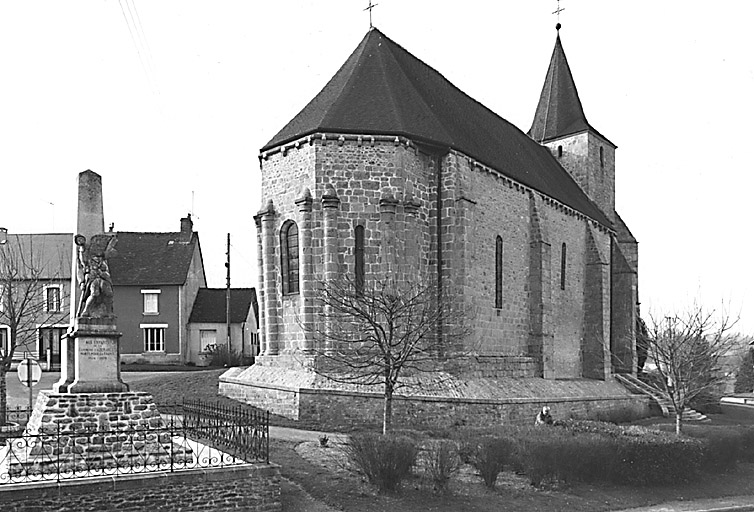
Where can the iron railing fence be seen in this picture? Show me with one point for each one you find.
(18, 414)
(192, 434)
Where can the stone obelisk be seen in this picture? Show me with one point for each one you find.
(91, 354)
(90, 400)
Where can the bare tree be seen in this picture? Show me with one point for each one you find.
(25, 271)
(688, 350)
(378, 333)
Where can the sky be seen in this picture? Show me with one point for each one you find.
(170, 101)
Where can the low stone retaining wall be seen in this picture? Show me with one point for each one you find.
(252, 487)
(332, 408)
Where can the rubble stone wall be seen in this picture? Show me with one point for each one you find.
(255, 488)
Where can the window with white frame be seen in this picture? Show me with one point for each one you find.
(4, 339)
(151, 302)
(52, 299)
(154, 337)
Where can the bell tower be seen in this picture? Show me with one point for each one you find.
(560, 124)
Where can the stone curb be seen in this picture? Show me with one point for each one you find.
(734, 504)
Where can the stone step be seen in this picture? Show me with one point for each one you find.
(635, 385)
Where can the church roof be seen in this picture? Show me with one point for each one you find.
(559, 112)
(382, 89)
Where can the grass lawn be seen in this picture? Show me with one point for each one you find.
(342, 490)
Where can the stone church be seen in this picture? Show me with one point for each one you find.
(393, 169)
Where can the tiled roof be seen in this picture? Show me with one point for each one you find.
(141, 259)
(145, 259)
(209, 306)
(48, 252)
(559, 112)
(383, 89)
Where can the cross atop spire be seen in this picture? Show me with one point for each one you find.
(372, 6)
(556, 12)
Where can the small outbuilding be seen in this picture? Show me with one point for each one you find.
(208, 323)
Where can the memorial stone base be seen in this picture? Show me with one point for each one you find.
(70, 432)
(93, 365)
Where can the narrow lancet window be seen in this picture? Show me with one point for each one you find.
(602, 156)
(560, 151)
(359, 258)
(562, 266)
(499, 273)
(289, 257)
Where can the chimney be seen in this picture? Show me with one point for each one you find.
(3, 235)
(187, 228)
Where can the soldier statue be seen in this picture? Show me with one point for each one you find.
(93, 275)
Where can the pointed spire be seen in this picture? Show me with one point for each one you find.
(559, 111)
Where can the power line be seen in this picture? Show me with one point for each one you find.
(144, 40)
(136, 42)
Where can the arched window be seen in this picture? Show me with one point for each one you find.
(602, 156)
(562, 266)
(289, 257)
(499, 272)
(358, 252)
(560, 151)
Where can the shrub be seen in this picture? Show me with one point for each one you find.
(385, 460)
(562, 454)
(441, 461)
(591, 451)
(535, 458)
(723, 446)
(221, 355)
(657, 459)
(721, 451)
(624, 415)
(489, 457)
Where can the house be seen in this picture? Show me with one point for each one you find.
(208, 323)
(391, 170)
(156, 277)
(35, 281)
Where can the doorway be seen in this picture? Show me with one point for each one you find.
(49, 346)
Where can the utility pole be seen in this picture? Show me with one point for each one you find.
(227, 293)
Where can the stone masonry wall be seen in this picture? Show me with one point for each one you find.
(390, 186)
(581, 158)
(254, 488)
(74, 431)
(285, 175)
(496, 207)
(363, 174)
(490, 205)
(328, 410)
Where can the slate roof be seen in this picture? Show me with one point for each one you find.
(383, 89)
(209, 306)
(49, 252)
(142, 259)
(559, 111)
(146, 259)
